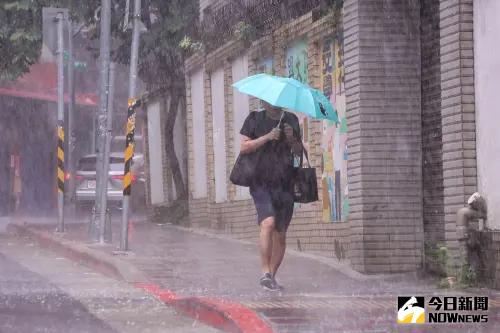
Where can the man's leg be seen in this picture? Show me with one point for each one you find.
(278, 252)
(266, 243)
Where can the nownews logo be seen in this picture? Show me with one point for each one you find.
(445, 309)
(411, 310)
(448, 309)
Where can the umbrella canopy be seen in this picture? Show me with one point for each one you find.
(288, 93)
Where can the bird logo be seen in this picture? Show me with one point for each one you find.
(411, 310)
(322, 109)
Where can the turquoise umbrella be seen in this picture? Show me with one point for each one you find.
(288, 93)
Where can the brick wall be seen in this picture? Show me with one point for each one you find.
(210, 150)
(432, 167)
(229, 118)
(382, 58)
(457, 111)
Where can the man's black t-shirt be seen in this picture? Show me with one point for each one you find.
(275, 159)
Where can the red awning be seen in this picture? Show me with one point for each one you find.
(40, 83)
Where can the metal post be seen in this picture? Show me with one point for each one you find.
(107, 147)
(132, 103)
(60, 122)
(101, 177)
(71, 107)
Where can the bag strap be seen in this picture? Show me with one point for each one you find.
(262, 115)
(304, 152)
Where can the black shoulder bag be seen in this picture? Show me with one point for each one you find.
(244, 169)
(305, 184)
(243, 172)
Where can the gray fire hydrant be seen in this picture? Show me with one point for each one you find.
(476, 209)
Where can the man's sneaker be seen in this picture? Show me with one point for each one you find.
(267, 282)
(277, 285)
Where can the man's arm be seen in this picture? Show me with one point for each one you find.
(248, 145)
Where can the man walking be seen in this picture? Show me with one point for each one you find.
(274, 135)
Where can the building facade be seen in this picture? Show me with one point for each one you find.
(415, 136)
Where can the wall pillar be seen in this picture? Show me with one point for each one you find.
(383, 83)
(457, 112)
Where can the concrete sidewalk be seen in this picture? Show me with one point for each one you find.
(321, 295)
(40, 291)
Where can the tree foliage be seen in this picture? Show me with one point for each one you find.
(21, 32)
(20, 36)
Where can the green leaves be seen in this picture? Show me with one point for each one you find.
(20, 36)
(186, 43)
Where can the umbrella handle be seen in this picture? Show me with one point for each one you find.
(281, 118)
(278, 126)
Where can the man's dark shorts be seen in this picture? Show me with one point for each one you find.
(273, 202)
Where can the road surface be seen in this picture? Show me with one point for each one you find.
(41, 292)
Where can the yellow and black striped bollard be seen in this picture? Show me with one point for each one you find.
(60, 175)
(129, 145)
(60, 159)
(127, 175)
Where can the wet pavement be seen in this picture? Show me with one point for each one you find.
(29, 303)
(320, 294)
(42, 292)
(317, 297)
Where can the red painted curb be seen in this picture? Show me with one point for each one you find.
(222, 314)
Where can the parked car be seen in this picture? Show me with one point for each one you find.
(118, 143)
(85, 180)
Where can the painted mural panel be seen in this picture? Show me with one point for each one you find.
(296, 61)
(334, 138)
(296, 67)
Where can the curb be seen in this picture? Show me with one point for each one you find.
(225, 315)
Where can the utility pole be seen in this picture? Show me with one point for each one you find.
(71, 110)
(132, 104)
(60, 122)
(101, 176)
(109, 127)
